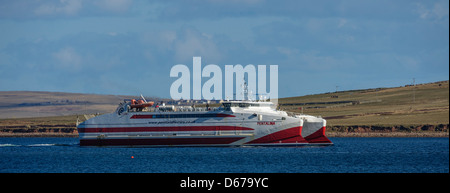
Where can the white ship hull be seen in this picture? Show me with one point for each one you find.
(219, 127)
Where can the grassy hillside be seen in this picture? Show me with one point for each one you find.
(63, 121)
(21, 104)
(408, 105)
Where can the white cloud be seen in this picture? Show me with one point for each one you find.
(49, 9)
(67, 58)
(193, 43)
(118, 6)
(66, 7)
(302, 37)
(162, 40)
(342, 22)
(439, 10)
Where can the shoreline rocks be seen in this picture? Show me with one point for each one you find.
(440, 130)
(390, 134)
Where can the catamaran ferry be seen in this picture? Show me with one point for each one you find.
(234, 123)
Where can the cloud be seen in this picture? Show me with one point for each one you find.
(219, 9)
(325, 34)
(213, 9)
(125, 60)
(342, 22)
(124, 43)
(162, 40)
(182, 44)
(193, 43)
(441, 9)
(57, 9)
(118, 6)
(64, 7)
(437, 11)
(68, 59)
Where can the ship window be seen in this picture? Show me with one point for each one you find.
(244, 105)
(227, 106)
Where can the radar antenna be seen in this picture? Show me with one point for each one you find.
(244, 91)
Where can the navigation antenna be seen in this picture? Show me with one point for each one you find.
(245, 91)
(143, 98)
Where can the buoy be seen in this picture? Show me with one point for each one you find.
(132, 157)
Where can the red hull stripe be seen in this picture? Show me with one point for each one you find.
(318, 137)
(166, 141)
(166, 116)
(141, 117)
(291, 135)
(161, 129)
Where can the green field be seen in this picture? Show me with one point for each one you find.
(410, 105)
(68, 121)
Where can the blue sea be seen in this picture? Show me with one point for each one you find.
(347, 155)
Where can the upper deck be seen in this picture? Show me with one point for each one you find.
(233, 106)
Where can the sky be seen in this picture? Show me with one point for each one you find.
(127, 47)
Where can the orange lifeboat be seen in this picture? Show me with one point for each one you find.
(140, 103)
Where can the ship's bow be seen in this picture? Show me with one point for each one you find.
(314, 131)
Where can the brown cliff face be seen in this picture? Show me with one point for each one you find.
(39, 131)
(440, 130)
(387, 129)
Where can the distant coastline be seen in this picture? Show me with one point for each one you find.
(388, 134)
(439, 130)
(334, 131)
